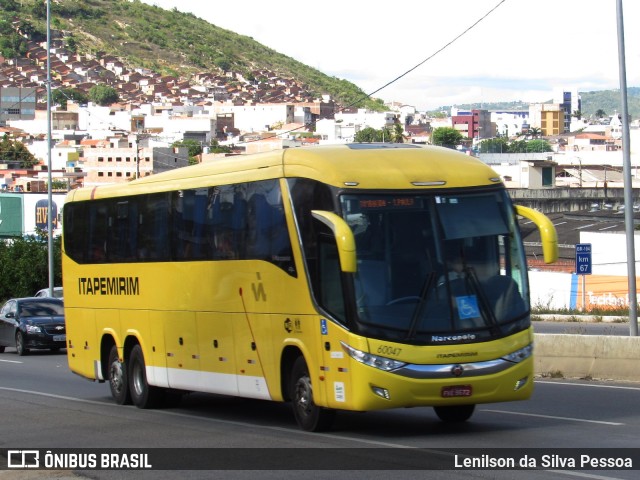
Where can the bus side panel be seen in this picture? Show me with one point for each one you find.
(338, 377)
(251, 333)
(217, 352)
(108, 325)
(83, 347)
(181, 345)
(155, 355)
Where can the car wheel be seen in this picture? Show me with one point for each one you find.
(455, 413)
(309, 416)
(20, 348)
(1, 349)
(142, 394)
(118, 382)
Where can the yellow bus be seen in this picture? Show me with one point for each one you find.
(354, 277)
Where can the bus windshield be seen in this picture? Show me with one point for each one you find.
(437, 268)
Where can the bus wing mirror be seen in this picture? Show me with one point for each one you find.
(548, 235)
(344, 238)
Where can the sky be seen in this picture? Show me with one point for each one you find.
(463, 51)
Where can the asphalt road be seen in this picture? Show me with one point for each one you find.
(44, 406)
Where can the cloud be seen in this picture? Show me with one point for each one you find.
(522, 50)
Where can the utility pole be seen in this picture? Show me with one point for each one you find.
(49, 163)
(628, 186)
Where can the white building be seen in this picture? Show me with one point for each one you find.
(365, 118)
(511, 122)
(257, 118)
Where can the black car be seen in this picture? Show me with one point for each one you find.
(27, 323)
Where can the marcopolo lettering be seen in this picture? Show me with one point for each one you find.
(108, 286)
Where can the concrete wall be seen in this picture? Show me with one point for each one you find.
(554, 200)
(587, 356)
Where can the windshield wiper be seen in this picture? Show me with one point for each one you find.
(484, 302)
(422, 303)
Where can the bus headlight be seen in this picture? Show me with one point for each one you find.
(375, 361)
(520, 355)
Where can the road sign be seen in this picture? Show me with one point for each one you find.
(583, 259)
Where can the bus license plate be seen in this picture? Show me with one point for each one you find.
(59, 338)
(456, 391)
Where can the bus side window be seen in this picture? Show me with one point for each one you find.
(268, 236)
(123, 231)
(330, 286)
(154, 228)
(179, 227)
(98, 229)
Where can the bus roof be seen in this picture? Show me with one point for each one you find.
(355, 165)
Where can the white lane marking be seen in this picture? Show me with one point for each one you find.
(212, 420)
(592, 385)
(11, 361)
(299, 432)
(553, 417)
(583, 475)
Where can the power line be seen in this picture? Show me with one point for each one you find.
(368, 95)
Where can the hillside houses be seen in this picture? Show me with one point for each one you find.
(259, 110)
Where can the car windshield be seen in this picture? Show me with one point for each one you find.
(430, 266)
(41, 309)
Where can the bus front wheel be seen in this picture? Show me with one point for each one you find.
(143, 395)
(118, 382)
(309, 416)
(455, 413)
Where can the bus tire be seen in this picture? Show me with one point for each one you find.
(455, 413)
(118, 381)
(309, 416)
(142, 394)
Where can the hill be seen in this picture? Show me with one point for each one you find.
(167, 42)
(605, 100)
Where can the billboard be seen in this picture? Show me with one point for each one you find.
(25, 213)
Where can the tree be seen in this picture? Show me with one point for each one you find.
(103, 94)
(577, 114)
(12, 45)
(518, 146)
(60, 96)
(535, 132)
(8, 5)
(217, 148)
(397, 136)
(600, 113)
(370, 134)
(446, 137)
(72, 45)
(24, 265)
(494, 145)
(538, 146)
(193, 148)
(14, 151)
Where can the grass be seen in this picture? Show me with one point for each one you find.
(572, 312)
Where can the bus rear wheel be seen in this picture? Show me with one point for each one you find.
(309, 416)
(118, 382)
(142, 394)
(455, 413)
